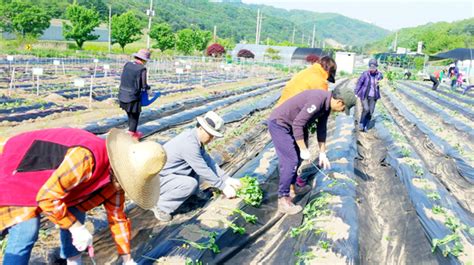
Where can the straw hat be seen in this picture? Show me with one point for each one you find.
(212, 123)
(136, 166)
(143, 54)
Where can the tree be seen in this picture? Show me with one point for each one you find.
(163, 35)
(24, 19)
(185, 41)
(83, 21)
(272, 54)
(125, 29)
(228, 44)
(201, 39)
(215, 50)
(97, 5)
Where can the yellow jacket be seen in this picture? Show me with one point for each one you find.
(313, 77)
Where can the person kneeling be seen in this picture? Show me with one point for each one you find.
(189, 164)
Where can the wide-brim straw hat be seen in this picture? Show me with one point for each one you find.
(143, 54)
(212, 123)
(136, 166)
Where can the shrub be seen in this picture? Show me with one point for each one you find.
(215, 50)
(244, 53)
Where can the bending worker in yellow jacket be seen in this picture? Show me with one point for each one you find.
(313, 77)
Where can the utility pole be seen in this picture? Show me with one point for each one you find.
(260, 27)
(110, 28)
(215, 33)
(395, 42)
(314, 35)
(302, 38)
(293, 37)
(150, 13)
(256, 30)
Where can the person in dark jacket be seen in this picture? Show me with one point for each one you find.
(368, 90)
(288, 126)
(132, 82)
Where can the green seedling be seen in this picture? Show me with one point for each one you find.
(307, 225)
(437, 209)
(455, 249)
(325, 245)
(454, 224)
(210, 244)
(249, 218)
(405, 152)
(316, 207)
(235, 228)
(434, 196)
(304, 257)
(250, 192)
(189, 261)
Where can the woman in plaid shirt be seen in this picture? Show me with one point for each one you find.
(63, 173)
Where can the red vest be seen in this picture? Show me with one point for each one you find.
(29, 159)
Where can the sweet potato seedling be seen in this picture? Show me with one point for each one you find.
(250, 192)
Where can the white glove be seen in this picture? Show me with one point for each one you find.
(130, 262)
(81, 238)
(229, 191)
(235, 183)
(150, 93)
(324, 161)
(305, 155)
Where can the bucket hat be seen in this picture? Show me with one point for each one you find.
(212, 123)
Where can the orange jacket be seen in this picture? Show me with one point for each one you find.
(313, 77)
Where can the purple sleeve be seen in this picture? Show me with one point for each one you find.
(321, 127)
(302, 119)
(360, 83)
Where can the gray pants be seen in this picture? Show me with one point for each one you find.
(174, 190)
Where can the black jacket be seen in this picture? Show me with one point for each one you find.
(132, 81)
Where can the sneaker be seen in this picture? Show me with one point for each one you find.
(285, 206)
(162, 216)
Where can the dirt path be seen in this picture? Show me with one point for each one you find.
(389, 229)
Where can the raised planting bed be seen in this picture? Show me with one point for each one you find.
(462, 108)
(448, 226)
(443, 160)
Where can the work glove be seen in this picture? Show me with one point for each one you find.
(235, 183)
(229, 191)
(130, 262)
(305, 155)
(324, 161)
(150, 93)
(81, 238)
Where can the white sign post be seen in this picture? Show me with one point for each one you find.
(106, 69)
(10, 60)
(12, 80)
(90, 92)
(179, 72)
(56, 63)
(79, 83)
(37, 72)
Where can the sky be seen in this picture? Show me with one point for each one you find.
(388, 14)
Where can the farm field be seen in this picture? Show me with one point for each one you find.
(399, 193)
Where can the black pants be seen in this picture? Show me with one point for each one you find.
(133, 121)
(368, 108)
(435, 82)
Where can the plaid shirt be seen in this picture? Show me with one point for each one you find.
(76, 168)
